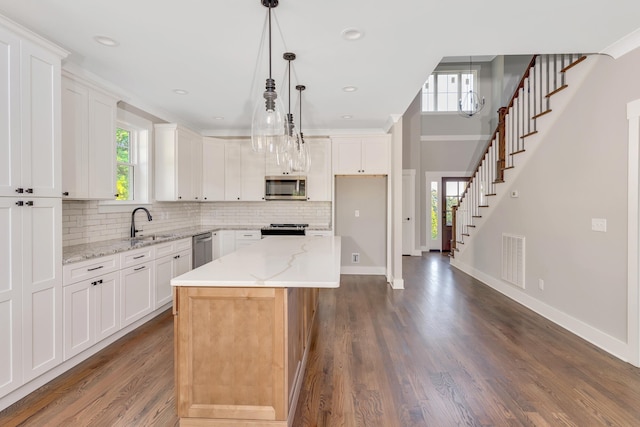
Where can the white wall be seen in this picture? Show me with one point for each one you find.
(578, 172)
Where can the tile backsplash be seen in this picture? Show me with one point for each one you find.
(83, 223)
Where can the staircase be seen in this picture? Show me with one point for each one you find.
(517, 123)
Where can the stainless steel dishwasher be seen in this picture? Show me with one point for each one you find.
(202, 247)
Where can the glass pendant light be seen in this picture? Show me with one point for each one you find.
(300, 158)
(284, 151)
(269, 124)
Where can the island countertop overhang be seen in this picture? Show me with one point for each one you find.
(274, 262)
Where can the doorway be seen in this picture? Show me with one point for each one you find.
(452, 190)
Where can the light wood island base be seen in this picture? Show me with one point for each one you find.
(240, 354)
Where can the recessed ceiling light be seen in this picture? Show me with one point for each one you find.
(180, 91)
(347, 116)
(106, 41)
(352, 34)
(349, 88)
(218, 118)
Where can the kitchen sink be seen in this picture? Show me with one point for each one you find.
(148, 237)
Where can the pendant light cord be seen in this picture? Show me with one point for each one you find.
(269, 40)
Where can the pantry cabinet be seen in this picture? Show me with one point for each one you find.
(178, 164)
(366, 155)
(88, 140)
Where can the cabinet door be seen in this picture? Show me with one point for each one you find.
(75, 132)
(164, 273)
(319, 176)
(42, 286)
(101, 170)
(40, 115)
(375, 155)
(182, 262)
(253, 166)
(196, 168)
(136, 293)
(9, 115)
(346, 156)
(213, 170)
(79, 318)
(183, 174)
(227, 241)
(233, 170)
(10, 295)
(107, 305)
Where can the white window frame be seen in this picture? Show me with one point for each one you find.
(142, 132)
(452, 69)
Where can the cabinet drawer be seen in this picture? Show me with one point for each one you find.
(182, 244)
(248, 235)
(72, 273)
(168, 248)
(137, 256)
(319, 233)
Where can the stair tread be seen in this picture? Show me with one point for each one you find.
(542, 113)
(528, 134)
(574, 63)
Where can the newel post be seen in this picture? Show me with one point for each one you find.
(502, 144)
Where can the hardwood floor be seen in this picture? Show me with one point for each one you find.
(447, 351)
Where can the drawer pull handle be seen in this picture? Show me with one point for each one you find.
(140, 268)
(176, 257)
(139, 256)
(95, 268)
(97, 282)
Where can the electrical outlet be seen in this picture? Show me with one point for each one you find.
(541, 284)
(357, 213)
(599, 224)
(355, 258)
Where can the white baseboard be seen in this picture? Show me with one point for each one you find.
(377, 271)
(397, 284)
(612, 345)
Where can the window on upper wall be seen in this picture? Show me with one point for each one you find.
(443, 90)
(132, 161)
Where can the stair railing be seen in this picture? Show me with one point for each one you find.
(544, 77)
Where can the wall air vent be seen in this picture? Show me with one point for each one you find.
(513, 259)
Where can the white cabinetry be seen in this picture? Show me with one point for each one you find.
(319, 233)
(213, 169)
(29, 118)
(178, 163)
(30, 207)
(31, 287)
(88, 141)
(172, 259)
(136, 280)
(319, 176)
(367, 155)
(244, 172)
(246, 237)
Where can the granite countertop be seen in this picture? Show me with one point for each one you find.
(76, 253)
(273, 262)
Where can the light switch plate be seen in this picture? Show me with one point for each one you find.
(599, 224)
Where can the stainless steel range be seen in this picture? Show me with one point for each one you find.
(284, 230)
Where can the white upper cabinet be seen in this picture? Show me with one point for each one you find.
(244, 172)
(319, 176)
(178, 164)
(29, 118)
(365, 155)
(88, 141)
(213, 169)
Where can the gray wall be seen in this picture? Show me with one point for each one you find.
(366, 234)
(578, 172)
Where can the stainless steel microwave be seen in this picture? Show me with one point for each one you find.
(285, 188)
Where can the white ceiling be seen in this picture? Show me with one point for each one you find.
(210, 48)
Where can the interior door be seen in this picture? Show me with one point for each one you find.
(452, 190)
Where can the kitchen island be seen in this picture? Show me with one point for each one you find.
(243, 325)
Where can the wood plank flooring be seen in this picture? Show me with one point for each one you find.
(446, 351)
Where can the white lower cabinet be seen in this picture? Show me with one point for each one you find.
(91, 312)
(137, 296)
(177, 262)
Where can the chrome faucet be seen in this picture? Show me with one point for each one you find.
(133, 221)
